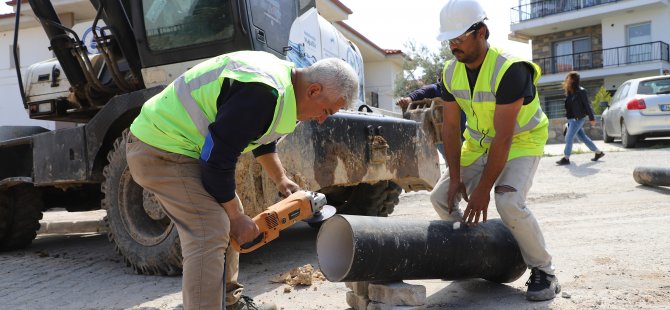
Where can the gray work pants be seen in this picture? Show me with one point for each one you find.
(517, 176)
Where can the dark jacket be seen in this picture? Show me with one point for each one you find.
(578, 106)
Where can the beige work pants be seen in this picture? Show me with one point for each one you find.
(201, 222)
(511, 205)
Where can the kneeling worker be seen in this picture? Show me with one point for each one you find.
(504, 140)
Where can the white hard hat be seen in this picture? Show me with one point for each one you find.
(457, 16)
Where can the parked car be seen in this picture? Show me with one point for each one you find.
(640, 108)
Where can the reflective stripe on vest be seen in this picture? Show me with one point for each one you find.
(532, 123)
(184, 89)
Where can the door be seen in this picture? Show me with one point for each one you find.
(618, 106)
(271, 23)
(572, 54)
(582, 54)
(639, 39)
(563, 56)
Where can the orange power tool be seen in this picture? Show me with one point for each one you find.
(300, 206)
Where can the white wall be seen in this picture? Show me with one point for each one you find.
(614, 27)
(33, 45)
(614, 35)
(380, 77)
(34, 48)
(614, 81)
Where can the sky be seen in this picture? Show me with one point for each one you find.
(392, 23)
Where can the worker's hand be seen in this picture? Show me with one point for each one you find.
(243, 229)
(287, 187)
(593, 122)
(477, 206)
(403, 102)
(456, 192)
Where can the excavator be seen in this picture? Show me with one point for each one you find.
(359, 159)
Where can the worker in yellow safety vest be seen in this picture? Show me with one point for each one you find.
(184, 144)
(504, 138)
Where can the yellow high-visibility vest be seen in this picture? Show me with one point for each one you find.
(531, 130)
(177, 118)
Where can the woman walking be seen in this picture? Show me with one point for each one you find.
(577, 107)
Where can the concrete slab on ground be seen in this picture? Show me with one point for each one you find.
(63, 222)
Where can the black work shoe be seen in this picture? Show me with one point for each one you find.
(246, 303)
(563, 161)
(542, 286)
(598, 156)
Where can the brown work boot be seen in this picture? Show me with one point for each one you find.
(246, 303)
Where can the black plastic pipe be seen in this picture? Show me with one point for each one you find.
(652, 176)
(359, 248)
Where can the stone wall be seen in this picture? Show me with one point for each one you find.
(556, 130)
(543, 45)
(556, 91)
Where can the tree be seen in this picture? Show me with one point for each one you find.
(601, 95)
(420, 67)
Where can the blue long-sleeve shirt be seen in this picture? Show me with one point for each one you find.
(432, 91)
(427, 91)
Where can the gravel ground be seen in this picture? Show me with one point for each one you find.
(609, 237)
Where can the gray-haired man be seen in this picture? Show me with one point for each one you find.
(185, 143)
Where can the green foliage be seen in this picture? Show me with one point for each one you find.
(601, 95)
(420, 67)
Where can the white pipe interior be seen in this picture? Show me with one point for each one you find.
(335, 248)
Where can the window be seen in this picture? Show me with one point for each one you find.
(572, 55)
(172, 24)
(554, 106)
(306, 5)
(654, 86)
(639, 37)
(620, 94)
(374, 99)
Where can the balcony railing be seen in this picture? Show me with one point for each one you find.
(544, 8)
(611, 57)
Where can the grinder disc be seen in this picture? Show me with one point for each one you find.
(326, 212)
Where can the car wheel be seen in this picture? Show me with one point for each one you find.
(606, 138)
(627, 140)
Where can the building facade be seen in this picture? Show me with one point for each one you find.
(606, 41)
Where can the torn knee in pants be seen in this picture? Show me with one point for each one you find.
(501, 189)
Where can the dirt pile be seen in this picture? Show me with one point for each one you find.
(305, 276)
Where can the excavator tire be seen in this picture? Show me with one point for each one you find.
(139, 229)
(5, 214)
(377, 199)
(20, 214)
